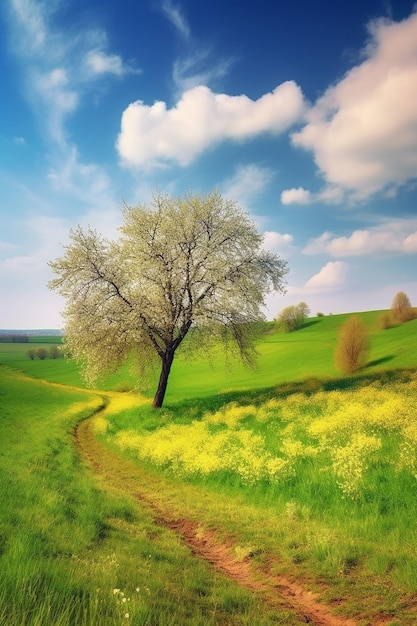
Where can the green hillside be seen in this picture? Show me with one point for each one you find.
(304, 354)
(300, 480)
(297, 356)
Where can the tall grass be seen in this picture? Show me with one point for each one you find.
(329, 475)
(303, 469)
(73, 555)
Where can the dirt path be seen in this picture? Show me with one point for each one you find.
(220, 553)
(271, 587)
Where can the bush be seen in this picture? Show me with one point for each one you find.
(353, 345)
(385, 320)
(401, 308)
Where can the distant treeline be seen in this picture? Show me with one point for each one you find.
(14, 339)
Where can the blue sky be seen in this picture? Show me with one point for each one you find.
(303, 112)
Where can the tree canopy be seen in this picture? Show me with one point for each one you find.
(194, 261)
(292, 317)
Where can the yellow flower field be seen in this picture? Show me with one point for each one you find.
(340, 433)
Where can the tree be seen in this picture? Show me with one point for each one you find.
(31, 353)
(192, 262)
(42, 353)
(54, 352)
(292, 317)
(401, 308)
(352, 345)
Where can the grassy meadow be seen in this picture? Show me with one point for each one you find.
(302, 472)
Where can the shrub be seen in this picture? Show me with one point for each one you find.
(385, 320)
(352, 345)
(401, 308)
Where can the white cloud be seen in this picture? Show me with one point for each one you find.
(363, 131)
(61, 70)
(331, 276)
(59, 66)
(99, 63)
(296, 196)
(277, 242)
(329, 195)
(391, 238)
(154, 135)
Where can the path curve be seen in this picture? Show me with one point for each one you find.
(271, 587)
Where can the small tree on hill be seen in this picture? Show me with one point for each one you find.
(352, 345)
(193, 263)
(292, 317)
(31, 353)
(401, 308)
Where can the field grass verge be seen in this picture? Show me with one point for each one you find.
(73, 554)
(318, 481)
(302, 473)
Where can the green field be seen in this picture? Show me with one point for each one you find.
(301, 482)
(19, 351)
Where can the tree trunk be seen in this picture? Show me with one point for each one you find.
(167, 360)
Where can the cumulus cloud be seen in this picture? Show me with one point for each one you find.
(277, 242)
(296, 196)
(154, 135)
(328, 195)
(331, 276)
(389, 239)
(363, 130)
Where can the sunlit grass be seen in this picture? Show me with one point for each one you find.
(71, 554)
(297, 466)
(336, 470)
(343, 432)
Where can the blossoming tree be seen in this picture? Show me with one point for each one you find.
(192, 262)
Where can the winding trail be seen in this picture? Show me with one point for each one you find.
(117, 474)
